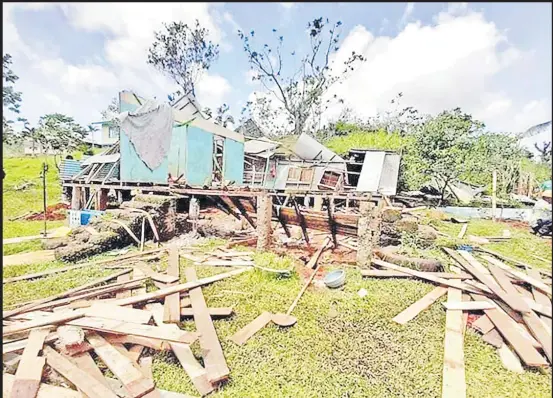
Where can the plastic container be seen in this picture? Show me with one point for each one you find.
(335, 279)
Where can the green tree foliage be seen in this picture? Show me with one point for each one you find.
(56, 132)
(441, 147)
(11, 99)
(183, 53)
(298, 96)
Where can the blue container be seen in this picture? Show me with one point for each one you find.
(87, 214)
(335, 279)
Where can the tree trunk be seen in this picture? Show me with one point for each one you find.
(446, 181)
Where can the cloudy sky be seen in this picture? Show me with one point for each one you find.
(491, 59)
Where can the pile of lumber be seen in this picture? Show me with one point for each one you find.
(512, 309)
(112, 321)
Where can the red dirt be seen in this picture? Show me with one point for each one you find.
(53, 213)
(516, 224)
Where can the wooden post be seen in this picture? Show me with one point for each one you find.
(264, 215)
(76, 198)
(494, 189)
(102, 198)
(318, 203)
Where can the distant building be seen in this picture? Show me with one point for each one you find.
(106, 136)
(33, 148)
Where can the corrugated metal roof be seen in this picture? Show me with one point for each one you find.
(101, 159)
(258, 146)
(69, 168)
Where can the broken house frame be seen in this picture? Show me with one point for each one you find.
(201, 158)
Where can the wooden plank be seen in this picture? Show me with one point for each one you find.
(536, 326)
(146, 367)
(244, 334)
(81, 298)
(85, 362)
(376, 273)
(137, 273)
(453, 383)
(42, 321)
(135, 352)
(509, 359)
(156, 276)
(469, 305)
(315, 258)
(123, 314)
(423, 275)
(540, 297)
(213, 312)
(43, 273)
(512, 335)
(81, 379)
(19, 345)
(122, 367)
(417, 307)
(493, 338)
(29, 371)
(540, 332)
(462, 231)
(512, 260)
(538, 284)
(34, 304)
(185, 302)
(178, 288)
(44, 390)
(197, 374)
(124, 293)
(214, 359)
(156, 344)
(113, 326)
(172, 301)
(483, 324)
(513, 300)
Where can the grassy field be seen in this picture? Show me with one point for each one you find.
(343, 345)
(18, 202)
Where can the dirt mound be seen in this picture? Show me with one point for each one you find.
(53, 213)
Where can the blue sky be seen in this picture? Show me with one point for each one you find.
(491, 59)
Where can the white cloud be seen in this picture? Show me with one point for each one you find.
(83, 90)
(437, 67)
(212, 90)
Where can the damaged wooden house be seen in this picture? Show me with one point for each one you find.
(173, 149)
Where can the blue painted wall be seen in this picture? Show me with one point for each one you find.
(190, 153)
(199, 156)
(233, 161)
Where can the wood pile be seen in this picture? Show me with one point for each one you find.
(114, 323)
(510, 308)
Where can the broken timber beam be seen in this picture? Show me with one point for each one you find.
(214, 359)
(171, 305)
